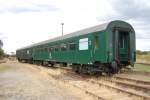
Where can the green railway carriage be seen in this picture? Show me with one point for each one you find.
(102, 48)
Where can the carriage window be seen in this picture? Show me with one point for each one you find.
(45, 49)
(28, 51)
(38, 50)
(63, 47)
(83, 44)
(50, 49)
(72, 46)
(96, 42)
(121, 41)
(56, 48)
(42, 49)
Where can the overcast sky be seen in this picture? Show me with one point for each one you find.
(24, 22)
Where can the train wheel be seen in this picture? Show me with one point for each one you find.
(76, 68)
(114, 67)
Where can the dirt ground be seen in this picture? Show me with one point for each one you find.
(23, 82)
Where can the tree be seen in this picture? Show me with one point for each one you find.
(142, 52)
(1, 43)
(1, 53)
(139, 52)
(1, 50)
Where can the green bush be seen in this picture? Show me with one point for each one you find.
(1, 53)
(142, 52)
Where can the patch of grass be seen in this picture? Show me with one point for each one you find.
(141, 67)
(4, 68)
(143, 57)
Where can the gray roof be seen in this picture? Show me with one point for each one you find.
(73, 34)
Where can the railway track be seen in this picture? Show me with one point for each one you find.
(140, 91)
(98, 92)
(132, 80)
(125, 89)
(105, 88)
(133, 87)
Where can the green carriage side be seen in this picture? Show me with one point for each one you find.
(52, 50)
(111, 44)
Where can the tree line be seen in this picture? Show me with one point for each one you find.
(1, 50)
(142, 52)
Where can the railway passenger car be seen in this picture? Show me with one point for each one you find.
(102, 48)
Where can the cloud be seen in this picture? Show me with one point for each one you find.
(142, 44)
(130, 9)
(137, 13)
(28, 8)
(25, 22)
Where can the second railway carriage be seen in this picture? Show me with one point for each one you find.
(102, 48)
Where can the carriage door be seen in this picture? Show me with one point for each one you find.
(123, 45)
(96, 48)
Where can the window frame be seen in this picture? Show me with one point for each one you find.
(63, 46)
(72, 45)
(56, 48)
